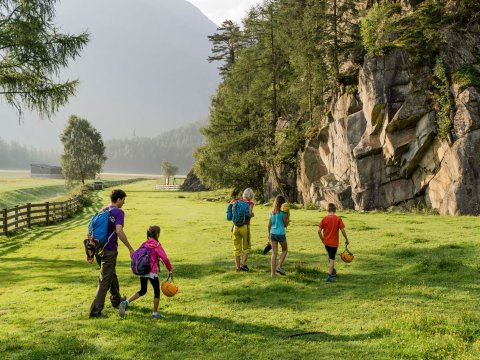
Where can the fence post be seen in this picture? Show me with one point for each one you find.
(47, 212)
(5, 225)
(29, 215)
(16, 217)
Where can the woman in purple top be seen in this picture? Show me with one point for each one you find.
(107, 256)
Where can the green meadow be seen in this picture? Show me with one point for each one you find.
(18, 188)
(412, 291)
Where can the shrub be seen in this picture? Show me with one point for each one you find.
(311, 206)
(378, 28)
(442, 98)
(466, 76)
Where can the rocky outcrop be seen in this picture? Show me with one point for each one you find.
(380, 146)
(192, 183)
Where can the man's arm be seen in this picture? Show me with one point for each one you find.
(121, 235)
(344, 233)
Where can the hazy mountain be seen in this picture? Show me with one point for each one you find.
(144, 71)
(137, 154)
(145, 154)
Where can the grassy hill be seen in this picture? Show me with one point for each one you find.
(411, 292)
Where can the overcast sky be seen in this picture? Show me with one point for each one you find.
(220, 10)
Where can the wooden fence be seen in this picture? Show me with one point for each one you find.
(167, 187)
(21, 217)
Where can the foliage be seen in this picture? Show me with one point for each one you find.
(422, 303)
(466, 76)
(84, 152)
(225, 45)
(168, 170)
(33, 51)
(443, 99)
(377, 28)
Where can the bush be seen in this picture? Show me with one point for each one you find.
(466, 76)
(378, 28)
(442, 98)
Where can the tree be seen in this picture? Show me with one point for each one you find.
(225, 45)
(168, 170)
(33, 51)
(84, 151)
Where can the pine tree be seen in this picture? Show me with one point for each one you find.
(33, 51)
(225, 45)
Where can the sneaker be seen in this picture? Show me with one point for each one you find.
(244, 268)
(122, 308)
(330, 279)
(267, 248)
(281, 271)
(122, 298)
(157, 316)
(334, 273)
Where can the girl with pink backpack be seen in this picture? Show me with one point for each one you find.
(156, 253)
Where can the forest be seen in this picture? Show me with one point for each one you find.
(128, 155)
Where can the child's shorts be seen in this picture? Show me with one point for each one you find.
(332, 251)
(278, 238)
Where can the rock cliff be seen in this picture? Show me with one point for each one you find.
(380, 145)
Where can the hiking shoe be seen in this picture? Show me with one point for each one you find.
(330, 279)
(244, 268)
(281, 271)
(122, 298)
(122, 307)
(157, 316)
(267, 248)
(334, 273)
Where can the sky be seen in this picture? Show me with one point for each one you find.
(220, 10)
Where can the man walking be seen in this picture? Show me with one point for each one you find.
(108, 280)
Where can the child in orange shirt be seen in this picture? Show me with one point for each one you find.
(328, 233)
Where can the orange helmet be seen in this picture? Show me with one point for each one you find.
(169, 288)
(346, 256)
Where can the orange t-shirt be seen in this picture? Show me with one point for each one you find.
(330, 225)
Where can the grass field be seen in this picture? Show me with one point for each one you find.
(412, 291)
(18, 188)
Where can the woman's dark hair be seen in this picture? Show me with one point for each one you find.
(117, 194)
(153, 232)
(277, 204)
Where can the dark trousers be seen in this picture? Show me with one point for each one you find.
(107, 281)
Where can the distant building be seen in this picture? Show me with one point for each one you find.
(46, 171)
